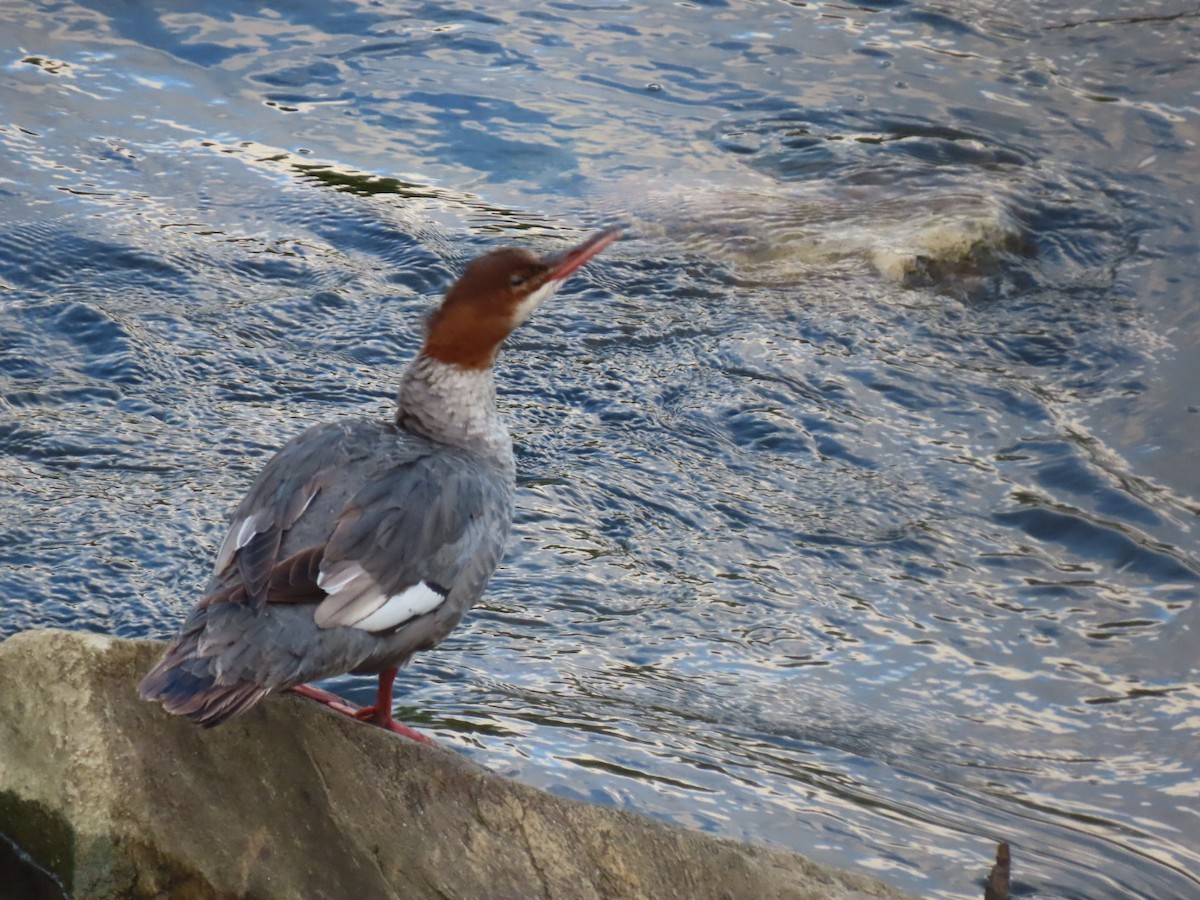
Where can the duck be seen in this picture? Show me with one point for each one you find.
(364, 541)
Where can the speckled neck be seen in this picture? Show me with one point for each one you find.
(453, 405)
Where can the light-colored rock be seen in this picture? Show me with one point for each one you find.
(120, 800)
(949, 238)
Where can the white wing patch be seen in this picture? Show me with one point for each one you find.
(398, 608)
(337, 577)
(356, 599)
(240, 534)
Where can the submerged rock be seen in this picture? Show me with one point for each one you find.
(967, 243)
(119, 800)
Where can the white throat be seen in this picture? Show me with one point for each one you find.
(529, 305)
(453, 405)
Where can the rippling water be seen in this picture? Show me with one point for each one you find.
(858, 486)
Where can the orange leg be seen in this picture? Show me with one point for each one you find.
(379, 714)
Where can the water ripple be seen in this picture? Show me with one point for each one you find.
(838, 522)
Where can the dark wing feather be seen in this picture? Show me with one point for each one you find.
(294, 580)
(255, 562)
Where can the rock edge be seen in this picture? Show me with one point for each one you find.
(119, 800)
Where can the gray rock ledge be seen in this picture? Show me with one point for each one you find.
(119, 800)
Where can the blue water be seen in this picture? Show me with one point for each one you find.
(858, 487)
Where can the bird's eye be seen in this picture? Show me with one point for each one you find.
(517, 280)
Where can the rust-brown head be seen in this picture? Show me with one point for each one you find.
(497, 292)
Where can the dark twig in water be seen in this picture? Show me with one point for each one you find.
(1128, 20)
(998, 879)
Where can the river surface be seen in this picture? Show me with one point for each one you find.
(858, 485)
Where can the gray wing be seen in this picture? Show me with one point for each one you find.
(372, 524)
(413, 537)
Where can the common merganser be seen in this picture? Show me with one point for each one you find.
(363, 540)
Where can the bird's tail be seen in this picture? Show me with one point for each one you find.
(186, 685)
